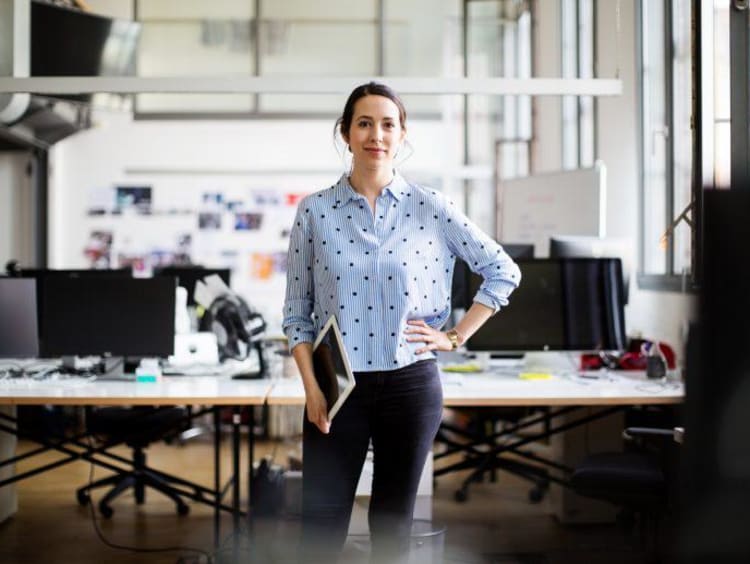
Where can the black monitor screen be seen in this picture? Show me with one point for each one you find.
(187, 276)
(569, 246)
(561, 304)
(19, 336)
(41, 274)
(460, 297)
(117, 316)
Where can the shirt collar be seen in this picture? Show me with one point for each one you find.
(344, 192)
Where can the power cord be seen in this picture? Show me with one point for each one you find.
(208, 558)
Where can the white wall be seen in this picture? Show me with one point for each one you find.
(16, 213)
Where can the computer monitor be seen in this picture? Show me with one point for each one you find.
(597, 247)
(187, 276)
(561, 304)
(19, 334)
(460, 298)
(108, 316)
(41, 274)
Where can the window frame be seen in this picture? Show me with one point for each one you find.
(669, 280)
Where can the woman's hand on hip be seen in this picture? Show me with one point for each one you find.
(419, 332)
(317, 410)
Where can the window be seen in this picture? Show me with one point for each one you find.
(577, 61)
(673, 171)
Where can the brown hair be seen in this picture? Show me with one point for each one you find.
(344, 123)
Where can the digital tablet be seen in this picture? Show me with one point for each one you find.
(331, 366)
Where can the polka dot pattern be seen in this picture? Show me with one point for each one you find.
(378, 268)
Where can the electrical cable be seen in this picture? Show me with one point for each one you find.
(208, 556)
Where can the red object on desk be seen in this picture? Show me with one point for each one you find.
(634, 358)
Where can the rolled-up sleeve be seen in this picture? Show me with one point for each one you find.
(484, 256)
(297, 321)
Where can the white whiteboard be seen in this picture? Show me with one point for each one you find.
(569, 202)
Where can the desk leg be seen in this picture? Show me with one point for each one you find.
(250, 461)
(217, 475)
(236, 420)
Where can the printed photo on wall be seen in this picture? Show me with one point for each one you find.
(137, 263)
(261, 266)
(184, 249)
(98, 249)
(235, 205)
(263, 198)
(247, 221)
(209, 221)
(291, 199)
(212, 200)
(136, 198)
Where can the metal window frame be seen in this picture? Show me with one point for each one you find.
(670, 281)
(579, 123)
(257, 112)
(739, 43)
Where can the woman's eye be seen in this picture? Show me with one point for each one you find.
(362, 124)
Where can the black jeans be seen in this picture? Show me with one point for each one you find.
(400, 410)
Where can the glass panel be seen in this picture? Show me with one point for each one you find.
(722, 154)
(722, 129)
(193, 38)
(682, 137)
(586, 70)
(325, 48)
(175, 10)
(569, 69)
(421, 40)
(654, 138)
(320, 10)
(328, 48)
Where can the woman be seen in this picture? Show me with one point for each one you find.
(378, 251)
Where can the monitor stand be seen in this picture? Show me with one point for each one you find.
(106, 367)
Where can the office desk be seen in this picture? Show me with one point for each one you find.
(568, 396)
(215, 391)
(504, 388)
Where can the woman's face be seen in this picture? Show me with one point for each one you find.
(375, 134)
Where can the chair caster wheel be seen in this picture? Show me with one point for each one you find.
(106, 510)
(183, 509)
(83, 498)
(536, 495)
(461, 495)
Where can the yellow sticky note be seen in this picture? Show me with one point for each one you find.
(534, 376)
(469, 367)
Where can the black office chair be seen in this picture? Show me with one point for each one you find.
(137, 427)
(638, 480)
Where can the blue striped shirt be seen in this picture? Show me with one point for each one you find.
(376, 270)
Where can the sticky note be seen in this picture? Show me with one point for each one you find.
(470, 367)
(535, 376)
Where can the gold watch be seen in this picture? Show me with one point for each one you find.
(453, 337)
